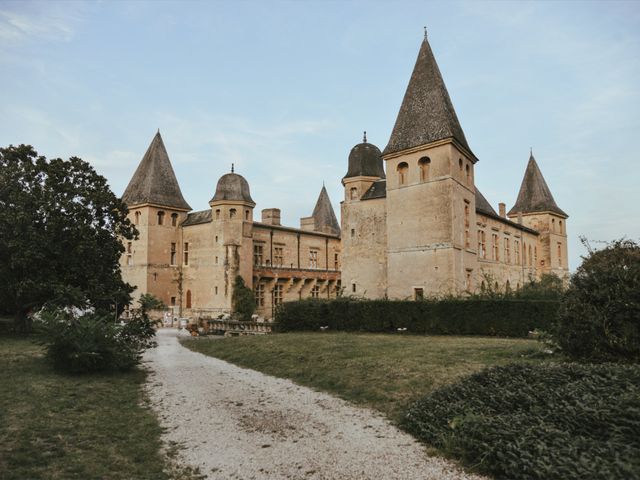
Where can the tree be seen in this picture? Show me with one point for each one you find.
(244, 303)
(148, 302)
(600, 314)
(60, 235)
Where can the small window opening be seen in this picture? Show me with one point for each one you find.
(418, 293)
(174, 219)
(354, 193)
(403, 172)
(137, 218)
(186, 253)
(353, 233)
(353, 287)
(173, 254)
(424, 163)
(160, 218)
(217, 214)
(246, 214)
(468, 170)
(188, 298)
(232, 213)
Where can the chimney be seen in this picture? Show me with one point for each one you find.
(271, 216)
(308, 223)
(502, 209)
(520, 218)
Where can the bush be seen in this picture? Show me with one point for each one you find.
(244, 302)
(566, 421)
(93, 343)
(600, 314)
(497, 317)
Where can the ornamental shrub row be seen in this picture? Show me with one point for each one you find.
(493, 317)
(548, 421)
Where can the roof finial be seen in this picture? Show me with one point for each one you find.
(425, 32)
(364, 137)
(531, 151)
(232, 168)
(158, 130)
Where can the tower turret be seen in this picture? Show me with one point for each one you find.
(365, 167)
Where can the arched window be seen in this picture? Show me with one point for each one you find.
(553, 224)
(460, 164)
(137, 218)
(424, 163)
(232, 213)
(217, 214)
(353, 193)
(507, 287)
(403, 172)
(246, 214)
(468, 169)
(174, 219)
(160, 218)
(188, 298)
(560, 222)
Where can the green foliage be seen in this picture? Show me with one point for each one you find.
(499, 317)
(522, 421)
(93, 343)
(148, 302)
(549, 287)
(600, 314)
(244, 303)
(60, 235)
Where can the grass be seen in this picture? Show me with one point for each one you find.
(55, 426)
(384, 372)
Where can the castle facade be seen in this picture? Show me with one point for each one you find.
(413, 224)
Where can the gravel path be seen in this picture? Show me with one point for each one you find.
(234, 423)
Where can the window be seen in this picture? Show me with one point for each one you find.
(246, 214)
(217, 214)
(424, 163)
(216, 238)
(313, 259)
(173, 254)
(278, 256)
(137, 218)
(403, 172)
(257, 255)
(353, 193)
(186, 253)
(259, 293)
(315, 291)
(467, 240)
(277, 295)
(468, 169)
(174, 219)
(173, 301)
(535, 256)
(516, 247)
(216, 260)
(507, 250)
(559, 254)
(418, 293)
(353, 233)
(188, 298)
(160, 218)
(495, 252)
(336, 262)
(482, 245)
(553, 224)
(469, 281)
(560, 226)
(460, 165)
(353, 287)
(232, 213)
(215, 290)
(530, 256)
(129, 254)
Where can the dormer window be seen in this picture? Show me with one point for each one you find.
(403, 173)
(424, 163)
(161, 218)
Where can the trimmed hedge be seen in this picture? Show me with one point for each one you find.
(499, 317)
(521, 421)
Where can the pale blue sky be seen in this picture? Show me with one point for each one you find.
(284, 90)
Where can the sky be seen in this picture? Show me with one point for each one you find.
(284, 90)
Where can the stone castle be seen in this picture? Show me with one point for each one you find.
(420, 229)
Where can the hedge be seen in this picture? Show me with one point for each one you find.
(548, 422)
(498, 317)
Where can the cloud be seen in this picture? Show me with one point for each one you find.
(48, 21)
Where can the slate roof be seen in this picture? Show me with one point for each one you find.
(377, 189)
(534, 195)
(483, 205)
(365, 159)
(154, 180)
(323, 215)
(426, 114)
(196, 218)
(233, 187)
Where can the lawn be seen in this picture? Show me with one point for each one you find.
(57, 426)
(381, 371)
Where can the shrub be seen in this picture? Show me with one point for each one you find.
(501, 317)
(600, 314)
(148, 302)
(521, 421)
(93, 343)
(244, 302)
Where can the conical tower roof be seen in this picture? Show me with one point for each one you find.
(154, 180)
(534, 195)
(324, 217)
(426, 114)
